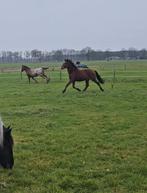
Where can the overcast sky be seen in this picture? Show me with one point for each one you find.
(57, 24)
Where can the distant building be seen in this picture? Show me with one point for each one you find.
(114, 58)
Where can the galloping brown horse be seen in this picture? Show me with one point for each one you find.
(81, 75)
(31, 73)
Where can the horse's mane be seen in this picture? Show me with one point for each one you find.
(25, 66)
(71, 62)
(1, 132)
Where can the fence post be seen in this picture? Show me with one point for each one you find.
(114, 77)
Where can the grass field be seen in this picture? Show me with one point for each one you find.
(77, 142)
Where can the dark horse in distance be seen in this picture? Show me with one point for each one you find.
(6, 147)
(31, 73)
(76, 74)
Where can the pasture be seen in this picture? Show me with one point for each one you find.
(77, 142)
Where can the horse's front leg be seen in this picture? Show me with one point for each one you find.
(66, 86)
(98, 85)
(73, 85)
(87, 84)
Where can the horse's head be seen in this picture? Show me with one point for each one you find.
(6, 147)
(68, 64)
(65, 64)
(22, 68)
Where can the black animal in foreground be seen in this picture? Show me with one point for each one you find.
(6, 147)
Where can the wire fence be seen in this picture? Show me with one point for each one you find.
(112, 72)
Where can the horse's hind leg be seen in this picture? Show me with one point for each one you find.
(73, 85)
(34, 79)
(47, 79)
(98, 85)
(87, 84)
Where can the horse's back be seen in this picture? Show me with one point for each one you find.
(91, 74)
(85, 74)
(37, 71)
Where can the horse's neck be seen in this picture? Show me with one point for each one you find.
(71, 70)
(27, 69)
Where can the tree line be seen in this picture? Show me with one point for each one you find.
(85, 54)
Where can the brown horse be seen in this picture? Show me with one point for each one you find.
(81, 75)
(31, 73)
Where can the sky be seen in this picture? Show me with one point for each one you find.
(73, 24)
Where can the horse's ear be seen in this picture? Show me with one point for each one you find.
(70, 61)
(9, 129)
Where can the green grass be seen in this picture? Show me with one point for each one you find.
(90, 142)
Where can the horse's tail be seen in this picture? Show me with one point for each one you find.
(99, 78)
(45, 68)
(1, 132)
(21, 73)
